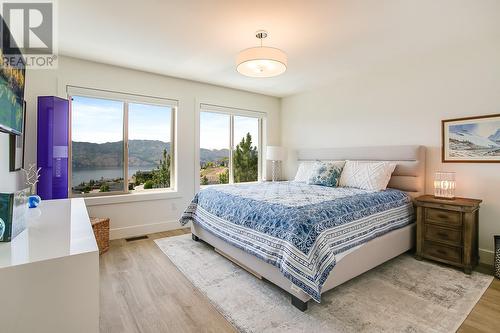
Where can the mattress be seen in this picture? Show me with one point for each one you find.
(301, 229)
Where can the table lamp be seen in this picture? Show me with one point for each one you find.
(275, 154)
(444, 185)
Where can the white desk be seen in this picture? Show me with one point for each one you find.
(49, 274)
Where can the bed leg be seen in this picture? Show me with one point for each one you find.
(302, 306)
(195, 238)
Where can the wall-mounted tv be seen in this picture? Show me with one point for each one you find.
(12, 77)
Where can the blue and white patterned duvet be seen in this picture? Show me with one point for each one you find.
(296, 227)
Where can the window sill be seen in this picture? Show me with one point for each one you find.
(131, 197)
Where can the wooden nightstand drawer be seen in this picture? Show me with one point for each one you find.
(435, 233)
(443, 252)
(443, 216)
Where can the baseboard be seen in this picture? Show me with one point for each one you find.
(143, 229)
(486, 257)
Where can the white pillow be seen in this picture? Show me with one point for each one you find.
(305, 171)
(372, 176)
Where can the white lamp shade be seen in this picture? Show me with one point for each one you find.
(275, 153)
(261, 62)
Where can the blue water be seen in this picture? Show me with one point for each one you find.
(85, 175)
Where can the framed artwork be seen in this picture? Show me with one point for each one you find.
(16, 147)
(472, 139)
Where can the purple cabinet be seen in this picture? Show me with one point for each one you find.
(52, 147)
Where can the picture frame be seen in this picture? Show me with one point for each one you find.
(471, 139)
(16, 147)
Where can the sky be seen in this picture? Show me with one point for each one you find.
(483, 127)
(214, 130)
(101, 120)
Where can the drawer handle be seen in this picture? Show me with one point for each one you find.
(442, 216)
(441, 251)
(443, 235)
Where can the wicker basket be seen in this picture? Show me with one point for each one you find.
(101, 232)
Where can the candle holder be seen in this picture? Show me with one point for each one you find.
(444, 185)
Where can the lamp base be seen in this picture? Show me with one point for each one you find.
(276, 171)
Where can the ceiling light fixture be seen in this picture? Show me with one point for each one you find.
(261, 61)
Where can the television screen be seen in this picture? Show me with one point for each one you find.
(12, 75)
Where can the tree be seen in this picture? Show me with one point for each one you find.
(104, 188)
(245, 161)
(223, 162)
(204, 180)
(161, 175)
(148, 185)
(224, 177)
(142, 176)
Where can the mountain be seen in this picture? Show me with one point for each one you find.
(207, 155)
(141, 153)
(495, 137)
(110, 154)
(472, 138)
(146, 152)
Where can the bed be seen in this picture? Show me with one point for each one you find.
(308, 239)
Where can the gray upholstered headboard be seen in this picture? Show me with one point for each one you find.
(409, 175)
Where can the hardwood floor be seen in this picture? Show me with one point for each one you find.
(486, 314)
(142, 291)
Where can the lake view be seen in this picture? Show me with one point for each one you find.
(85, 175)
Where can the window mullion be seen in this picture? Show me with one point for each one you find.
(173, 152)
(125, 147)
(231, 148)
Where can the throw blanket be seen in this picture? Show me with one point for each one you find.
(296, 227)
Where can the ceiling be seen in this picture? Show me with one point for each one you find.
(324, 40)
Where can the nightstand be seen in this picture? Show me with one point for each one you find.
(447, 231)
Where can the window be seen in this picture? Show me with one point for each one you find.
(120, 143)
(246, 151)
(214, 148)
(230, 145)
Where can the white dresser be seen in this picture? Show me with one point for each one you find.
(49, 274)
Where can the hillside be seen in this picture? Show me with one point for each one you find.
(207, 155)
(212, 174)
(141, 153)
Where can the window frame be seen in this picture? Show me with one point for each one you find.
(126, 99)
(232, 112)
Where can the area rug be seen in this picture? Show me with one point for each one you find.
(402, 295)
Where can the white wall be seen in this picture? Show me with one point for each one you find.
(403, 102)
(8, 180)
(135, 218)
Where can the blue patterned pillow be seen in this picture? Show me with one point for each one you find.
(326, 173)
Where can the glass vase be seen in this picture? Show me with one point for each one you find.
(33, 200)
